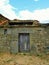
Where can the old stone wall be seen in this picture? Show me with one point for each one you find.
(3, 41)
(39, 39)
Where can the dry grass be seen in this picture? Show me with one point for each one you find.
(21, 59)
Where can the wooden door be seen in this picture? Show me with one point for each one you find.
(24, 42)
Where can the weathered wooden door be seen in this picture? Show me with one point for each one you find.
(24, 42)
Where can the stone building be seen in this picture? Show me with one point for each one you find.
(24, 36)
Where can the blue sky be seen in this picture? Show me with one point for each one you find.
(25, 9)
(30, 4)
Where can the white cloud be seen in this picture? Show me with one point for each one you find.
(40, 15)
(25, 14)
(7, 10)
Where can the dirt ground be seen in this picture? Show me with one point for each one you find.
(22, 59)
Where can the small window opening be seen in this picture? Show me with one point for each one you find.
(5, 31)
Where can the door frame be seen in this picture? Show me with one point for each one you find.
(19, 40)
